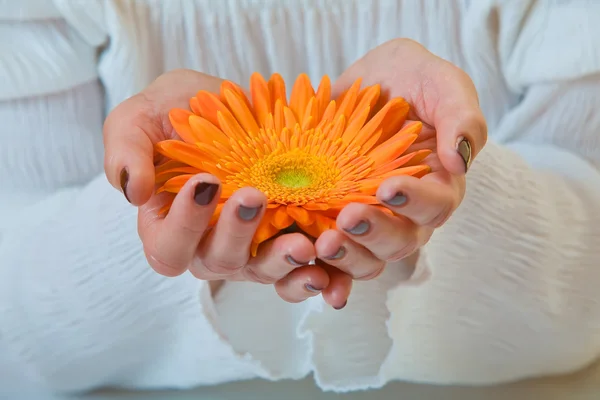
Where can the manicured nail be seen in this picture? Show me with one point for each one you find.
(342, 306)
(359, 229)
(124, 177)
(248, 213)
(205, 193)
(396, 201)
(340, 253)
(464, 150)
(311, 288)
(295, 263)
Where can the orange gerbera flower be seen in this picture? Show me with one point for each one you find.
(310, 157)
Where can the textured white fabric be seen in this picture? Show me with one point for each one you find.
(512, 277)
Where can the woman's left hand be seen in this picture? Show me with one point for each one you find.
(444, 98)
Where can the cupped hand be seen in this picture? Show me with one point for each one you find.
(182, 240)
(444, 98)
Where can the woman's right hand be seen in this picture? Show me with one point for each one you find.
(182, 241)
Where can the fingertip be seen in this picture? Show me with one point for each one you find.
(338, 291)
(392, 191)
(137, 183)
(329, 244)
(298, 247)
(460, 140)
(351, 216)
(162, 268)
(202, 189)
(249, 197)
(302, 283)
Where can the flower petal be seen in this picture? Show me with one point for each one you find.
(395, 118)
(237, 89)
(278, 116)
(168, 165)
(328, 115)
(324, 223)
(376, 122)
(280, 219)
(369, 186)
(417, 170)
(261, 98)
(372, 141)
(180, 120)
(277, 89)
(355, 125)
(391, 149)
(350, 96)
(265, 231)
(164, 176)
(183, 152)
(175, 184)
(302, 92)
(300, 215)
(323, 97)
(230, 126)
(316, 206)
(419, 157)
(359, 198)
(206, 132)
(406, 160)
(209, 106)
(311, 230)
(367, 98)
(241, 112)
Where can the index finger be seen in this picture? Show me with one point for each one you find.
(134, 126)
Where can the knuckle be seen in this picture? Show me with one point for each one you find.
(440, 219)
(221, 266)
(161, 266)
(191, 229)
(371, 275)
(252, 274)
(406, 250)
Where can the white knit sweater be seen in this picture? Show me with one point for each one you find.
(507, 289)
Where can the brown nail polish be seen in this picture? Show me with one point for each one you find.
(464, 150)
(205, 193)
(124, 178)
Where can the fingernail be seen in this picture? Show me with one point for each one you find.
(248, 213)
(464, 150)
(359, 229)
(398, 200)
(124, 177)
(311, 288)
(295, 263)
(342, 306)
(340, 253)
(205, 193)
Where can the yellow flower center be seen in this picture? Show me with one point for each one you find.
(293, 176)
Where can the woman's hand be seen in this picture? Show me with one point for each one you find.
(181, 241)
(443, 97)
